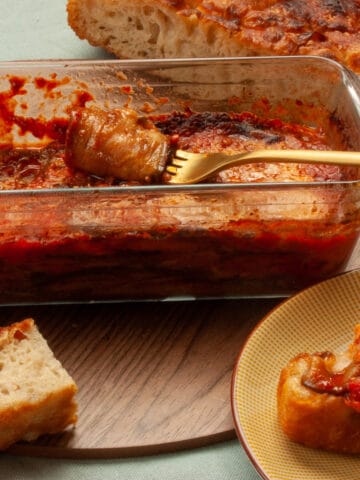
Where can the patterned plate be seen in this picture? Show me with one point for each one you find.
(319, 318)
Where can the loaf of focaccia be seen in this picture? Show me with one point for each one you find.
(319, 399)
(198, 28)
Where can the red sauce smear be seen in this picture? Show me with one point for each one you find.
(345, 383)
(40, 128)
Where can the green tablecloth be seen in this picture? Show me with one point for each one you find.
(37, 29)
(225, 461)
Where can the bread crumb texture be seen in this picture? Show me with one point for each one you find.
(36, 392)
(197, 28)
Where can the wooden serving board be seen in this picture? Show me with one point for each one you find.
(152, 377)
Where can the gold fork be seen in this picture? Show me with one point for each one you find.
(189, 167)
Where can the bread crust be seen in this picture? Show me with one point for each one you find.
(193, 28)
(315, 419)
(27, 421)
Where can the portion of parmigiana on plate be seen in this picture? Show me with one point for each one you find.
(319, 399)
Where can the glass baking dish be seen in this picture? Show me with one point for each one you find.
(162, 242)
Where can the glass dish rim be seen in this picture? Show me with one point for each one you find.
(164, 188)
(180, 61)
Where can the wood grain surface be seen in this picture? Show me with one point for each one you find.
(152, 377)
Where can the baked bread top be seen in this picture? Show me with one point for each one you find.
(198, 28)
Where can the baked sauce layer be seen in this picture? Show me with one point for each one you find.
(22, 168)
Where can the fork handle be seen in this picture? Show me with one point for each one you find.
(219, 161)
(195, 167)
(289, 156)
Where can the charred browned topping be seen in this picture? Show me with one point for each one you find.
(234, 126)
(297, 14)
(233, 132)
(294, 15)
(326, 27)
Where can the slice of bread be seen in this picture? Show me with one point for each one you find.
(220, 28)
(36, 393)
(152, 29)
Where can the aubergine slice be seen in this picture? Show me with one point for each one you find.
(116, 143)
